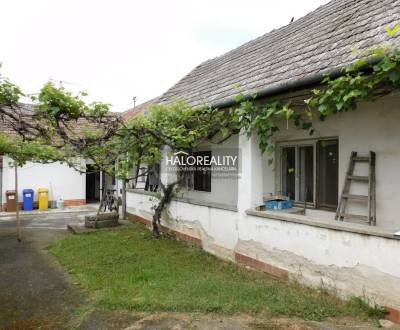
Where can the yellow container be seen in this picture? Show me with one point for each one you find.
(43, 194)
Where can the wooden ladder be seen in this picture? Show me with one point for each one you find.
(346, 196)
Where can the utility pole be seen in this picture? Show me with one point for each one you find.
(17, 203)
(124, 198)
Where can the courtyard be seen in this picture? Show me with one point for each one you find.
(123, 279)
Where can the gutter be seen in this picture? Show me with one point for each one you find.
(284, 87)
(293, 84)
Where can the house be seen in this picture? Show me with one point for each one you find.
(137, 110)
(72, 186)
(224, 216)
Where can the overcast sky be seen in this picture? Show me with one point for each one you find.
(119, 49)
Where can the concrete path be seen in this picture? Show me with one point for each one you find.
(35, 292)
(53, 220)
(67, 210)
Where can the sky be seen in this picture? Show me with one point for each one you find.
(120, 49)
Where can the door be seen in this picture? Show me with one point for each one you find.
(92, 184)
(328, 173)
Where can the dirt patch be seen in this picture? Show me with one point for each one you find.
(35, 291)
(126, 320)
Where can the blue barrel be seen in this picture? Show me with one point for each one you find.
(28, 195)
(278, 204)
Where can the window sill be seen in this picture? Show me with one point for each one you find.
(187, 200)
(205, 203)
(142, 192)
(293, 215)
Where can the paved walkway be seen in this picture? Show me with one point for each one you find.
(65, 210)
(55, 221)
(35, 292)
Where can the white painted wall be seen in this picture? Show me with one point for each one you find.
(372, 127)
(195, 220)
(223, 190)
(61, 180)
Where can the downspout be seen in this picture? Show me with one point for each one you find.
(1, 183)
(124, 207)
(124, 213)
(101, 185)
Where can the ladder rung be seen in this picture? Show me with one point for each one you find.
(356, 197)
(361, 159)
(358, 178)
(354, 216)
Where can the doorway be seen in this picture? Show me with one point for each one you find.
(92, 184)
(328, 173)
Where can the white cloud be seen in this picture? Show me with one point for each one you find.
(120, 49)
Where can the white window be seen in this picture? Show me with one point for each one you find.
(308, 171)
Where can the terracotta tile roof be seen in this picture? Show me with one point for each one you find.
(137, 110)
(27, 110)
(8, 126)
(319, 42)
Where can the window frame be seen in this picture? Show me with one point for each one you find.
(209, 175)
(279, 175)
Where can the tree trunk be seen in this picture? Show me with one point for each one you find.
(167, 193)
(124, 199)
(136, 173)
(17, 204)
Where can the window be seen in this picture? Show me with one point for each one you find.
(309, 172)
(202, 174)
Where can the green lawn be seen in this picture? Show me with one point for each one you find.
(127, 269)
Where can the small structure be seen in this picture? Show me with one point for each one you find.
(103, 219)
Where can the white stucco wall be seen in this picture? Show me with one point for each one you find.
(223, 190)
(61, 180)
(372, 127)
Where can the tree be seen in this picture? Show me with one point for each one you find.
(62, 127)
(179, 127)
(105, 139)
(59, 127)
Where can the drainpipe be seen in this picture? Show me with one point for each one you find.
(101, 185)
(1, 183)
(17, 203)
(123, 193)
(124, 199)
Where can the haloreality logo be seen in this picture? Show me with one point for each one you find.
(221, 162)
(182, 158)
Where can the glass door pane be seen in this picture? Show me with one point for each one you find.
(306, 173)
(289, 172)
(328, 173)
